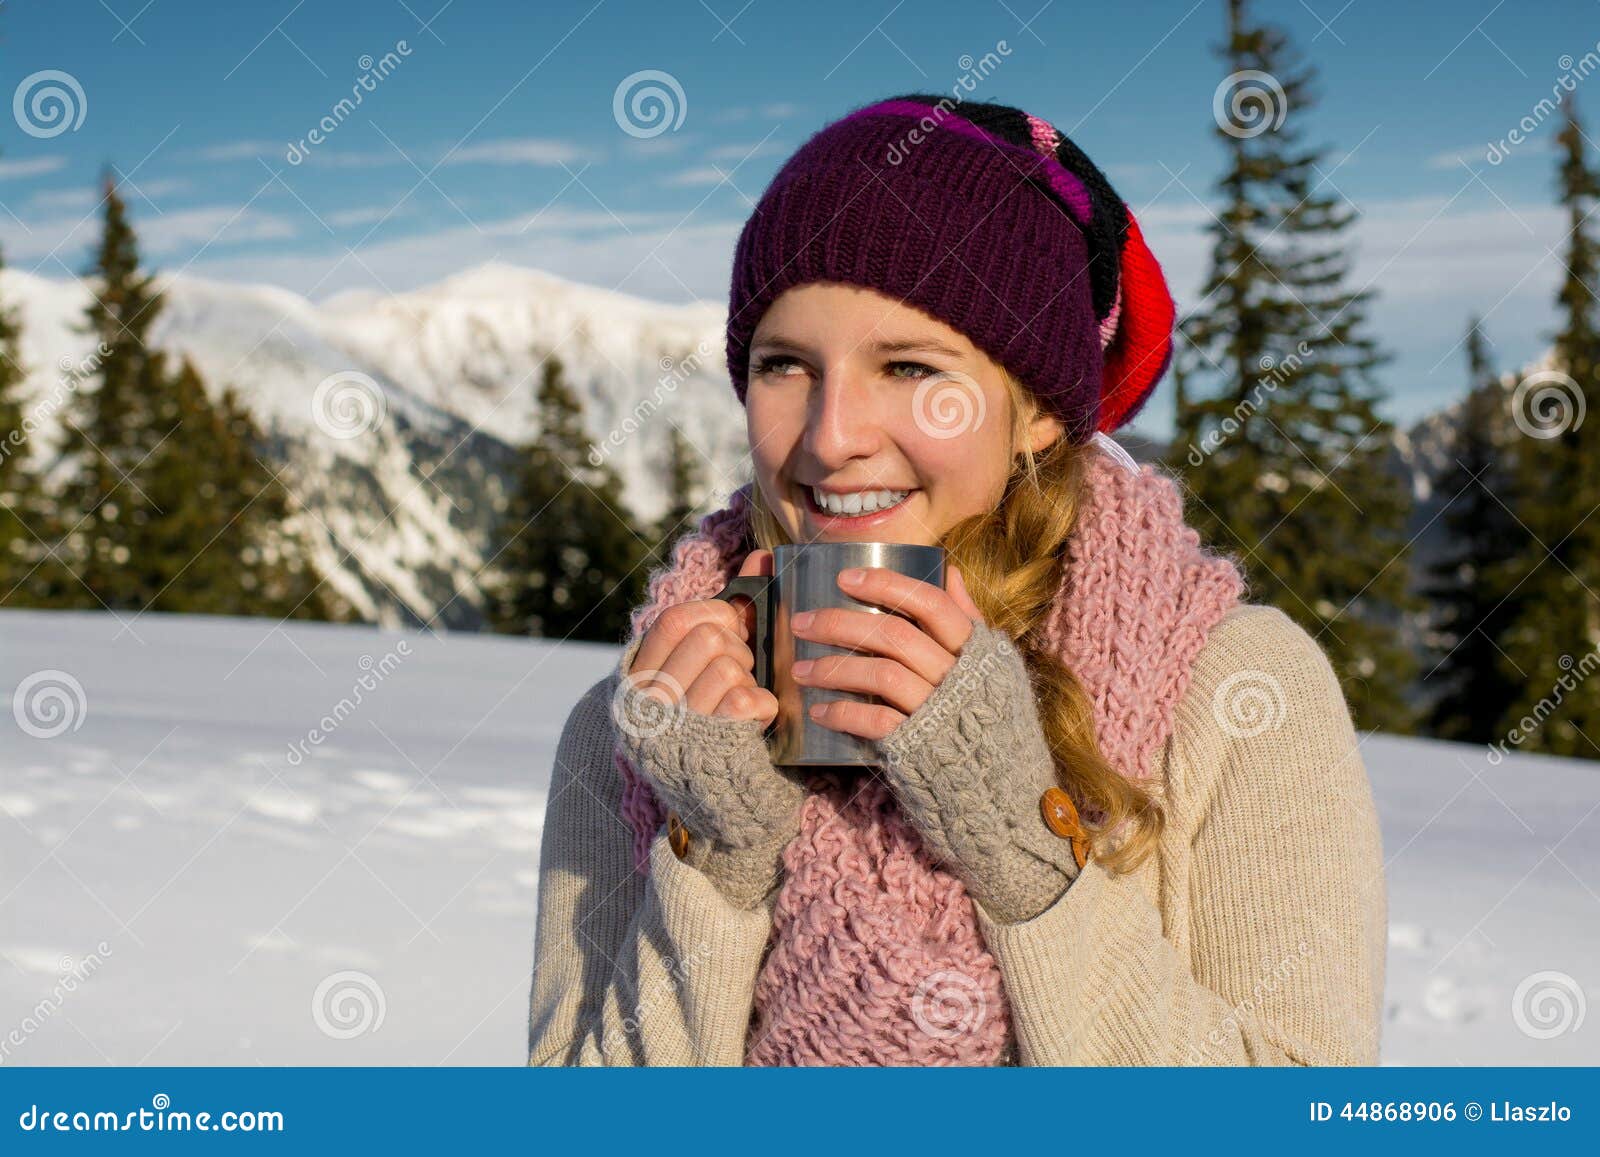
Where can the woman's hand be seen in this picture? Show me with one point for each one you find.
(697, 653)
(909, 658)
(690, 718)
(971, 768)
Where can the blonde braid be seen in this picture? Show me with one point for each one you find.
(1011, 559)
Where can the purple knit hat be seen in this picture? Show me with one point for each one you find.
(985, 218)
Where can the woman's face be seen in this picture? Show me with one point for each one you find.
(870, 420)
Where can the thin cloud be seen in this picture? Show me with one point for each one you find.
(776, 111)
(703, 177)
(520, 151)
(741, 150)
(368, 215)
(241, 150)
(32, 167)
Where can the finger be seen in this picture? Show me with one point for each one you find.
(868, 720)
(894, 683)
(673, 625)
(878, 634)
(719, 676)
(931, 608)
(749, 702)
(756, 562)
(704, 644)
(956, 584)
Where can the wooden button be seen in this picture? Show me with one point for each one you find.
(1061, 817)
(1080, 850)
(1060, 813)
(677, 835)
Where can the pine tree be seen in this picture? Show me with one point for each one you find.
(1284, 455)
(111, 432)
(21, 498)
(219, 546)
(1471, 585)
(684, 480)
(573, 564)
(167, 505)
(1550, 649)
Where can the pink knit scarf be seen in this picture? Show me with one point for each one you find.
(875, 956)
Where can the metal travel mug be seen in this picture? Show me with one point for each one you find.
(805, 578)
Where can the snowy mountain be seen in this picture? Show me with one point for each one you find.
(223, 900)
(394, 416)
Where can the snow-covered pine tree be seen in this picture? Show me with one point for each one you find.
(1279, 440)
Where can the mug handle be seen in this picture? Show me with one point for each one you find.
(758, 589)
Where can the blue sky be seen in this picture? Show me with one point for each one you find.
(493, 136)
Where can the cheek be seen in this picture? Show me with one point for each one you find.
(773, 428)
(965, 470)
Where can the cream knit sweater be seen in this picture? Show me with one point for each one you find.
(1256, 935)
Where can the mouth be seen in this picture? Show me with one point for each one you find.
(857, 510)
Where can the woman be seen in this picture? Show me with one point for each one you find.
(1121, 815)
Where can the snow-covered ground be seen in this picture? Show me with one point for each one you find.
(206, 859)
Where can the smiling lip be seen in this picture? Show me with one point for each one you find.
(824, 520)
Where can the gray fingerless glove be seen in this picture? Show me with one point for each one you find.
(969, 766)
(740, 811)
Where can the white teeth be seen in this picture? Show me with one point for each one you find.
(859, 502)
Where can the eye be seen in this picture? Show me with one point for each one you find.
(916, 370)
(775, 365)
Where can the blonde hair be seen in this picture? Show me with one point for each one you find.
(1011, 559)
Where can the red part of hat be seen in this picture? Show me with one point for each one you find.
(1141, 349)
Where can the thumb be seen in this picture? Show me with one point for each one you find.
(956, 586)
(757, 562)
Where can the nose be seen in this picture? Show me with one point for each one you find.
(843, 422)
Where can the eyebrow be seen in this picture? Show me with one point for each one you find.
(886, 346)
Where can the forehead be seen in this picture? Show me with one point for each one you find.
(832, 316)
